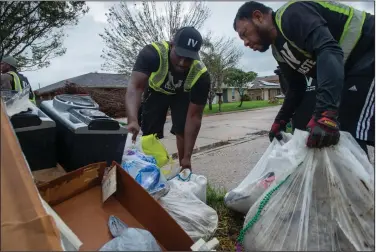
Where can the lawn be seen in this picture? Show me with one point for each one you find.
(229, 222)
(233, 106)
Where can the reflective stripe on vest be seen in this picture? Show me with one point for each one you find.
(18, 87)
(351, 31)
(157, 78)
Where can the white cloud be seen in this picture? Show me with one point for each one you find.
(84, 46)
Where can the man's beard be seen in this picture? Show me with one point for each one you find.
(264, 39)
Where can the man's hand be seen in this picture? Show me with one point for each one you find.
(185, 163)
(323, 130)
(134, 128)
(275, 131)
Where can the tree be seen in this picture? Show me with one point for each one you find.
(239, 79)
(130, 29)
(218, 54)
(32, 32)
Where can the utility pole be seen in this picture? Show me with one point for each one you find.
(39, 84)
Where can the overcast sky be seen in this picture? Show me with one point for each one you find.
(84, 46)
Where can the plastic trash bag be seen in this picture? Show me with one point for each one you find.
(155, 151)
(256, 183)
(322, 200)
(189, 182)
(148, 176)
(16, 102)
(129, 239)
(196, 218)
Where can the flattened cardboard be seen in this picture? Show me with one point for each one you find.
(25, 225)
(77, 198)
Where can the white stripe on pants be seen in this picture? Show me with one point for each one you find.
(367, 114)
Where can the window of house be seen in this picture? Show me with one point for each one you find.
(233, 93)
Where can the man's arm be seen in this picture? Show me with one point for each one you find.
(6, 81)
(199, 97)
(309, 31)
(147, 62)
(295, 89)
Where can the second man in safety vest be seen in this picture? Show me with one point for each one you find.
(327, 41)
(171, 75)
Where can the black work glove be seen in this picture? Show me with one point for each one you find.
(323, 130)
(275, 131)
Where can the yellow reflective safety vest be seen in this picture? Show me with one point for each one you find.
(19, 87)
(351, 31)
(157, 78)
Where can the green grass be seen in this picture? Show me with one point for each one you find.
(229, 222)
(233, 106)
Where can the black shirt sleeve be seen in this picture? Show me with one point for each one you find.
(147, 60)
(200, 91)
(303, 25)
(295, 90)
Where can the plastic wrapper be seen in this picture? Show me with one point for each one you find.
(190, 182)
(16, 102)
(196, 218)
(321, 200)
(129, 239)
(257, 181)
(148, 176)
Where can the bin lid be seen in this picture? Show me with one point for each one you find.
(77, 100)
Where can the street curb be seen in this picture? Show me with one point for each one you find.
(223, 144)
(239, 111)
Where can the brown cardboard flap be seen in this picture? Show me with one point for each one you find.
(25, 224)
(72, 184)
(77, 199)
(150, 213)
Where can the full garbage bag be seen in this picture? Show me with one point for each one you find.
(256, 183)
(190, 182)
(196, 218)
(129, 239)
(320, 200)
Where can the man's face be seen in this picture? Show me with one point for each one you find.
(255, 33)
(4, 67)
(180, 64)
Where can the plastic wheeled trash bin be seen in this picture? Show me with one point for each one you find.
(84, 135)
(35, 132)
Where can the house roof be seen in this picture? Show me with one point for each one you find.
(97, 80)
(256, 84)
(270, 78)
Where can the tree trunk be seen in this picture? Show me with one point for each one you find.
(210, 104)
(241, 103)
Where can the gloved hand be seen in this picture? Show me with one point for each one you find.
(323, 130)
(275, 131)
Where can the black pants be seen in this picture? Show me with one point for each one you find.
(154, 111)
(357, 109)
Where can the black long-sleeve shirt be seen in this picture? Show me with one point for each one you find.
(316, 30)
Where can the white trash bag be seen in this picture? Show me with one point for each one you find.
(323, 200)
(256, 183)
(190, 182)
(196, 218)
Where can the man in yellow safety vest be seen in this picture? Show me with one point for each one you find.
(330, 42)
(171, 75)
(12, 79)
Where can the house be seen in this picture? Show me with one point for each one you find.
(263, 90)
(89, 81)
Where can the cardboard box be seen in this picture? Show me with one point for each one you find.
(77, 199)
(25, 224)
